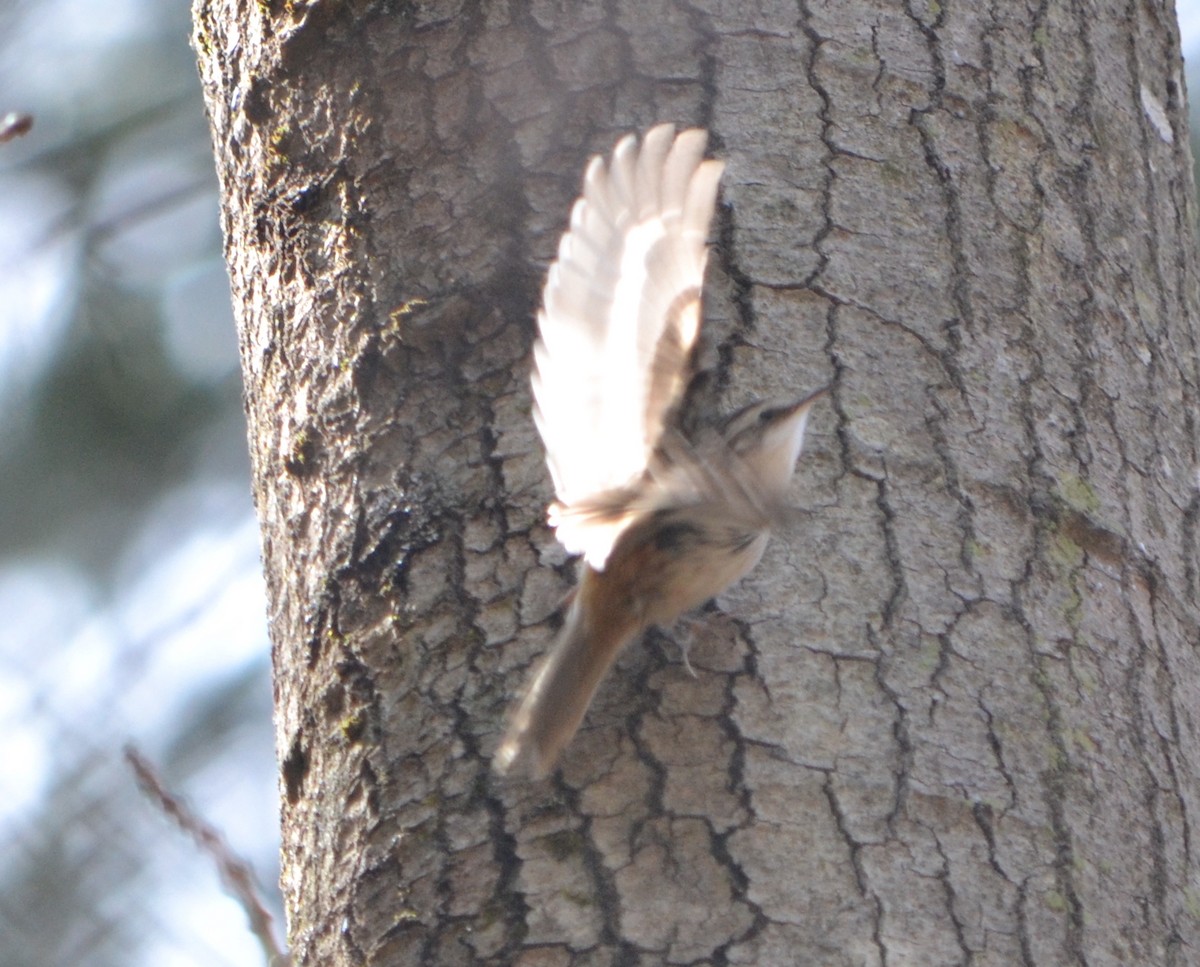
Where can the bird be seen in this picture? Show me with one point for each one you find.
(663, 520)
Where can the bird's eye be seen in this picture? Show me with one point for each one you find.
(767, 415)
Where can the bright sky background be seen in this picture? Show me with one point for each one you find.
(1189, 23)
(89, 663)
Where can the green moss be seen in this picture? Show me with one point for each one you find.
(299, 454)
(930, 656)
(892, 174)
(1073, 608)
(1064, 553)
(1191, 900)
(277, 142)
(202, 40)
(1086, 679)
(1078, 494)
(1056, 901)
(1057, 760)
(564, 845)
(976, 549)
(492, 913)
(1083, 741)
(353, 726)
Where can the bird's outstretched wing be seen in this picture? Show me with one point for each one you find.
(621, 310)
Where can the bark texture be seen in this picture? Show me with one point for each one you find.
(952, 717)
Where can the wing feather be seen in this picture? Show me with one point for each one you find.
(620, 315)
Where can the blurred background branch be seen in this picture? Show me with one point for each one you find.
(236, 874)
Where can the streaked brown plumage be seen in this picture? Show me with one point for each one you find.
(663, 523)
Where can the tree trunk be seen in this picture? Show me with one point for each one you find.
(952, 716)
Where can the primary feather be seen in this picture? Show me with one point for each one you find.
(621, 311)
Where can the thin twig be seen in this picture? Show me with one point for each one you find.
(14, 124)
(235, 872)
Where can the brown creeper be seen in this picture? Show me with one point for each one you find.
(663, 523)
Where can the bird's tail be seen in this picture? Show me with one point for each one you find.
(561, 691)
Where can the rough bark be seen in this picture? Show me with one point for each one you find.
(953, 719)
